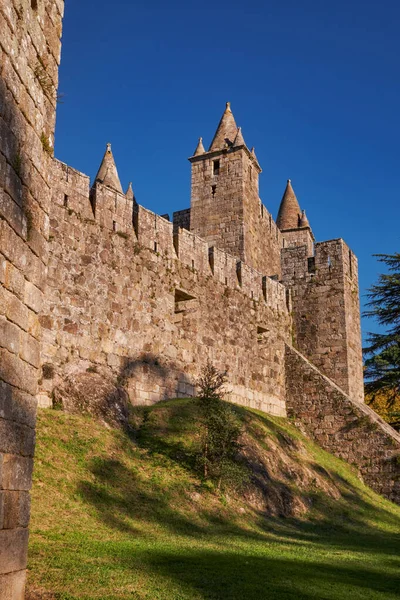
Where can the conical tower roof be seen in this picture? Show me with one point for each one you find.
(108, 174)
(226, 131)
(239, 139)
(199, 148)
(289, 211)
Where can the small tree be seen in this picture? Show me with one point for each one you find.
(220, 429)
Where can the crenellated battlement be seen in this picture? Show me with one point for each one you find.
(113, 211)
(332, 258)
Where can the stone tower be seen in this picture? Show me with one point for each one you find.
(226, 209)
(323, 279)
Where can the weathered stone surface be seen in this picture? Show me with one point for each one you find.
(15, 472)
(12, 585)
(14, 509)
(13, 549)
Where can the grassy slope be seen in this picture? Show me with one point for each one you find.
(117, 519)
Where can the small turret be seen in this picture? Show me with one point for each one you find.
(303, 220)
(293, 222)
(289, 214)
(226, 131)
(107, 173)
(239, 139)
(200, 148)
(129, 192)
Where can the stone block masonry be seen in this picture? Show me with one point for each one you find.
(342, 425)
(29, 58)
(148, 308)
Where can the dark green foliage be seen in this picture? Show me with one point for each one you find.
(220, 429)
(384, 303)
(382, 373)
(382, 368)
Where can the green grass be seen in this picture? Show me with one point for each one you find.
(116, 517)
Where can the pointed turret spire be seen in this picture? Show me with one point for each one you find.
(226, 130)
(108, 174)
(289, 211)
(200, 148)
(129, 192)
(239, 140)
(303, 219)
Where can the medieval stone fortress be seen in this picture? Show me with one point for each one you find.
(92, 283)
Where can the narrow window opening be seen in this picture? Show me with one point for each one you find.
(216, 166)
(264, 287)
(34, 4)
(262, 209)
(192, 264)
(270, 222)
(226, 281)
(66, 199)
(213, 190)
(155, 246)
(351, 264)
(329, 262)
(252, 294)
(288, 300)
(114, 226)
(250, 173)
(311, 264)
(211, 258)
(239, 273)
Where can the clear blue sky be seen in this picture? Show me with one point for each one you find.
(314, 85)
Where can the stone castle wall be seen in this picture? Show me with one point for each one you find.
(148, 306)
(29, 58)
(326, 311)
(342, 425)
(91, 280)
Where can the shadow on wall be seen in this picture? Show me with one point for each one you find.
(22, 272)
(144, 380)
(149, 379)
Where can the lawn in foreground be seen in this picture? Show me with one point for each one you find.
(115, 518)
